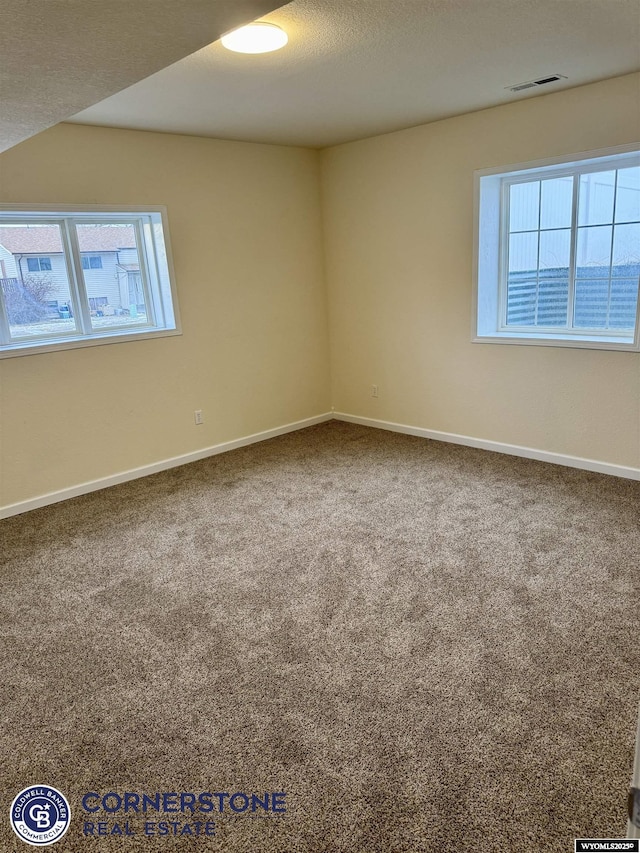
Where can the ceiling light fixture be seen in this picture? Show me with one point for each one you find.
(258, 37)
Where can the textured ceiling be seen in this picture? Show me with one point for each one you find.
(355, 68)
(60, 56)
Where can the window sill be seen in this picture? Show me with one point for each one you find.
(577, 341)
(31, 348)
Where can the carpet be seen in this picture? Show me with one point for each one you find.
(343, 640)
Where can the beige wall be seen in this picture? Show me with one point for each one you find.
(246, 234)
(246, 238)
(398, 222)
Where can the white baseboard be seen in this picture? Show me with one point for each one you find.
(452, 438)
(498, 447)
(155, 467)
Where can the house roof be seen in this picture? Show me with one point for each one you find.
(40, 239)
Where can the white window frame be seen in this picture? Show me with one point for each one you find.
(491, 188)
(39, 259)
(156, 267)
(86, 257)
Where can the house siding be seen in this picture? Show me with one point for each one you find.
(100, 283)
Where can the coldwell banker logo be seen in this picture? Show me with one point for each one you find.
(40, 815)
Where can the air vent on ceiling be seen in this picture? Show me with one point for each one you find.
(531, 84)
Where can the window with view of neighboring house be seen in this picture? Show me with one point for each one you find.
(39, 264)
(106, 277)
(558, 253)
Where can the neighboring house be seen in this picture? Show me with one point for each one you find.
(110, 265)
(7, 263)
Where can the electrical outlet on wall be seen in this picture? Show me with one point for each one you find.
(198, 416)
(374, 390)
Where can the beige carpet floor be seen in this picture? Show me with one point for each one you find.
(425, 647)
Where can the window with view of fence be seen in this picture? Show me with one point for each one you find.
(573, 250)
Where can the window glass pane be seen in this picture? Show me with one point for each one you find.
(521, 300)
(592, 299)
(523, 252)
(37, 296)
(595, 205)
(114, 282)
(524, 202)
(626, 250)
(624, 300)
(553, 296)
(555, 251)
(628, 195)
(85, 262)
(593, 252)
(556, 203)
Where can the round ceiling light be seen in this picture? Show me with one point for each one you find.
(258, 37)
